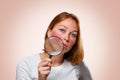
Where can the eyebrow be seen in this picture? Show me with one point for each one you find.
(64, 26)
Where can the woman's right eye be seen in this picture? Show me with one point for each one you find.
(62, 30)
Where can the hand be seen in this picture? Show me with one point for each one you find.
(44, 69)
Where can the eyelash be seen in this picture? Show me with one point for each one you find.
(62, 30)
(71, 34)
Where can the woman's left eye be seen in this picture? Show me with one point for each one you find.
(73, 35)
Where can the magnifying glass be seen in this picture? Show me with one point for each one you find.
(53, 46)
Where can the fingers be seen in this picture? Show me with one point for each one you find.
(44, 66)
(45, 62)
(44, 71)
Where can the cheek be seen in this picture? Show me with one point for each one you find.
(54, 33)
(72, 42)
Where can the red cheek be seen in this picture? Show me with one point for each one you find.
(71, 43)
(55, 34)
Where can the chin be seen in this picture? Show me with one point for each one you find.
(65, 50)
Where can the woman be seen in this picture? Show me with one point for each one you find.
(68, 65)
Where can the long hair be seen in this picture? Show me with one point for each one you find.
(76, 54)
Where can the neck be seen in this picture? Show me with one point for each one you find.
(57, 60)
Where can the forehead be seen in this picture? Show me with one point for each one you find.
(68, 23)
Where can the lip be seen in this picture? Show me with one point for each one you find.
(65, 46)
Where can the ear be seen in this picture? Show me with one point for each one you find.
(49, 33)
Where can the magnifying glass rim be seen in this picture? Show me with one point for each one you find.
(61, 43)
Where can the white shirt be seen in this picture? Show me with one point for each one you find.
(27, 69)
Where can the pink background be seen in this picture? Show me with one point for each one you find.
(23, 24)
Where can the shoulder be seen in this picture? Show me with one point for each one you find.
(27, 67)
(28, 61)
(82, 66)
(84, 72)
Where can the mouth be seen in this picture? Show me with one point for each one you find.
(65, 46)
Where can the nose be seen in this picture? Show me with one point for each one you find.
(66, 37)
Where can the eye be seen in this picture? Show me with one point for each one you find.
(62, 30)
(73, 35)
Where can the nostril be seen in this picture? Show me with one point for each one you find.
(67, 40)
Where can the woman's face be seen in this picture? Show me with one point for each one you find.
(67, 30)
